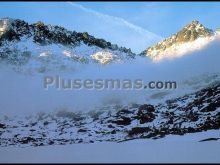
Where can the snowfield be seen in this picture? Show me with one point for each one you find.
(172, 149)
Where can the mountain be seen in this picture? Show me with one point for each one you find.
(193, 107)
(193, 36)
(191, 113)
(39, 44)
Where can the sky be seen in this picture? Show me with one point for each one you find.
(135, 25)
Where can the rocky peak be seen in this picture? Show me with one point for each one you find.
(191, 32)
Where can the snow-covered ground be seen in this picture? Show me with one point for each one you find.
(172, 149)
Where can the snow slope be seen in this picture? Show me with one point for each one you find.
(56, 57)
(173, 149)
(179, 50)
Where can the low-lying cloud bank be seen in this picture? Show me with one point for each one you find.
(26, 94)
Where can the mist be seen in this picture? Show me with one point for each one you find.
(25, 94)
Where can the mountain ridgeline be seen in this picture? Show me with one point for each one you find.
(192, 37)
(81, 47)
(47, 34)
(43, 45)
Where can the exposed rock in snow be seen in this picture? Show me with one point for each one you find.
(192, 37)
(40, 40)
(179, 50)
(196, 112)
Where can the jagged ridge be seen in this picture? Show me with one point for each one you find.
(48, 34)
(16, 36)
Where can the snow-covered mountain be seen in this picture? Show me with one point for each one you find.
(192, 107)
(39, 47)
(192, 37)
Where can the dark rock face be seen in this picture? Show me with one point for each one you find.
(211, 107)
(145, 113)
(26, 140)
(82, 130)
(193, 116)
(209, 139)
(3, 126)
(146, 107)
(146, 118)
(113, 132)
(138, 130)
